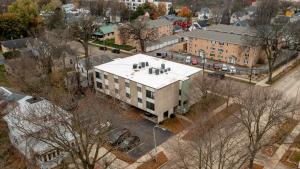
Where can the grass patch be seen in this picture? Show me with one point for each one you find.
(3, 80)
(295, 157)
(175, 125)
(284, 130)
(216, 119)
(201, 108)
(152, 164)
(111, 43)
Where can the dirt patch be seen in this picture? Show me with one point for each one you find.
(257, 166)
(216, 119)
(176, 125)
(132, 113)
(270, 150)
(201, 109)
(286, 159)
(120, 155)
(152, 164)
(285, 71)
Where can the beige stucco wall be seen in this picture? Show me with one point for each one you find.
(210, 47)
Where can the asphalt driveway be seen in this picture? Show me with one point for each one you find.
(142, 128)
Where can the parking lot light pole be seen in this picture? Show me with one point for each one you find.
(155, 148)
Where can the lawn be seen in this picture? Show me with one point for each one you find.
(176, 125)
(111, 43)
(204, 106)
(216, 119)
(3, 79)
(152, 164)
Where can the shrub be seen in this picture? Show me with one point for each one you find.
(11, 54)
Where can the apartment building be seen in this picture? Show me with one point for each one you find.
(157, 86)
(162, 27)
(133, 4)
(224, 43)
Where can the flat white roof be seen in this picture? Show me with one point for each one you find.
(124, 68)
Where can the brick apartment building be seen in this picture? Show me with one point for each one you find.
(162, 26)
(224, 43)
(154, 85)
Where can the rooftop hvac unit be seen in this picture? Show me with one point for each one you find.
(150, 70)
(157, 71)
(143, 64)
(140, 66)
(147, 63)
(169, 69)
(134, 66)
(161, 70)
(163, 65)
(165, 70)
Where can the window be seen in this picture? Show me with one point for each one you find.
(99, 85)
(127, 84)
(139, 89)
(149, 94)
(150, 106)
(179, 103)
(116, 91)
(116, 80)
(98, 75)
(105, 76)
(179, 92)
(127, 95)
(140, 100)
(106, 86)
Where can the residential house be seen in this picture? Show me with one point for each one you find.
(157, 86)
(295, 18)
(105, 32)
(239, 16)
(162, 27)
(224, 43)
(204, 14)
(241, 23)
(86, 71)
(133, 4)
(15, 44)
(18, 108)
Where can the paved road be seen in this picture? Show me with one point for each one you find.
(94, 51)
(290, 84)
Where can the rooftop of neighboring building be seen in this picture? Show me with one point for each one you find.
(15, 43)
(106, 29)
(231, 29)
(216, 36)
(172, 71)
(159, 23)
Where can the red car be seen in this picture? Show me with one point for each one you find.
(194, 61)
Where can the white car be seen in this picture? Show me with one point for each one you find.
(224, 67)
(232, 69)
(188, 60)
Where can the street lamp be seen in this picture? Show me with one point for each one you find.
(154, 137)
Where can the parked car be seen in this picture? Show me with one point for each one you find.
(102, 48)
(220, 75)
(162, 54)
(129, 143)
(216, 66)
(232, 69)
(224, 67)
(115, 51)
(148, 114)
(194, 61)
(188, 60)
(118, 135)
(105, 126)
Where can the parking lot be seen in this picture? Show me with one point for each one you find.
(138, 126)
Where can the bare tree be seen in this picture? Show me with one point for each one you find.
(261, 111)
(80, 129)
(138, 30)
(209, 147)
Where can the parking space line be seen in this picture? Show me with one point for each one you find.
(135, 147)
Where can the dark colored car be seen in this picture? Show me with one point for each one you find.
(103, 48)
(162, 54)
(118, 135)
(129, 143)
(216, 66)
(148, 114)
(219, 75)
(115, 51)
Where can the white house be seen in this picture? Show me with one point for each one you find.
(204, 14)
(133, 4)
(24, 107)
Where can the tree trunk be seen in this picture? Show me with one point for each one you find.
(270, 71)
(142, 44)
(251, 162)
